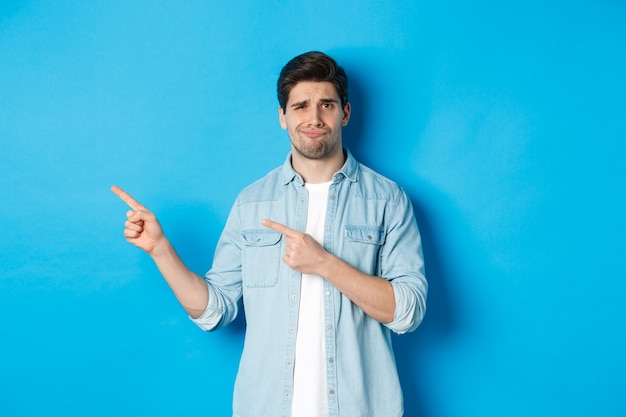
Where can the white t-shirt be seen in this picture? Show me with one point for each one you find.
(309, 387)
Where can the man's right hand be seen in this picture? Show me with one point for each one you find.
(142, 228)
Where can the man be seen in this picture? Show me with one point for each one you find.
(327, 256)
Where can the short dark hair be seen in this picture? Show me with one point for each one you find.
(311, 66)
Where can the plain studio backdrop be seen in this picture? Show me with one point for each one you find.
(504, 121)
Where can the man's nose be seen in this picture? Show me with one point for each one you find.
(315, 117)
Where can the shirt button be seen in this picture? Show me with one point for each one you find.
(332, 197)
(331, 360)
(293, 297)
(331, 392)
(327, 293)
(329, 326)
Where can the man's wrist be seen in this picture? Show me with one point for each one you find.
(162, 249)
(328, 264)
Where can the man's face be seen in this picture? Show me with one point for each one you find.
(313, 118)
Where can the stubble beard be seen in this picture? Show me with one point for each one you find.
(315, 149)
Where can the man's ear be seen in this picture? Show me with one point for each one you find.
(346, 114)
(281, 118)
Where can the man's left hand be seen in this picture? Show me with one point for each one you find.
(302, 252)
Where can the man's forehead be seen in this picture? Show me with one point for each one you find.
(306, 90)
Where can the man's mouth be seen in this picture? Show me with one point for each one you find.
(313, 133)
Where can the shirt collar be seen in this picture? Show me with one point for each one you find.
(349, 170)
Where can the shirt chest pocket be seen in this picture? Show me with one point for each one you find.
(261, 258)
(371, 235)
(362, 247)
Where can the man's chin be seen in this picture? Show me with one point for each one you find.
(313, 153)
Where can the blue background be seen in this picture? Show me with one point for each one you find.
(505, 122)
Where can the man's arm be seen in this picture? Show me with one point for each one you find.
(143, 230)
(374, 295)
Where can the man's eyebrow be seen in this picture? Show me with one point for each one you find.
(299, 103)
(306, 102)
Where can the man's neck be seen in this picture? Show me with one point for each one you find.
(316, 171)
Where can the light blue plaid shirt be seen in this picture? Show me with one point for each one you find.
(370, 225)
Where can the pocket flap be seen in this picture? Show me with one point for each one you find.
(261, 237)
(366, 234)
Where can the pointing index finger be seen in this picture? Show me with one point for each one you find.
(280, 228)
(127, 198)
